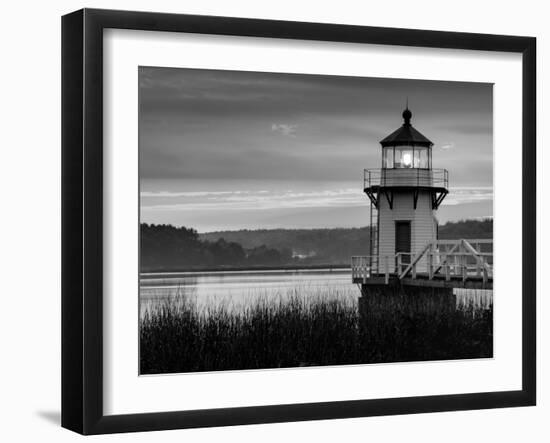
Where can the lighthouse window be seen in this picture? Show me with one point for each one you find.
(403, 157)
(421, 158)
(416, 162)
(387, 161)
(406, 157)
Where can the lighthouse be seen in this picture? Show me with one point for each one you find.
(406, 259)
(405, 193)
(409, 273)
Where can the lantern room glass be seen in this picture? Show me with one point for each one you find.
(406, 157)
(387, 158)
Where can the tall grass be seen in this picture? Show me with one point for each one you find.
(297, 329)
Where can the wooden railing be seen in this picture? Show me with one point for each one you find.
(451, 259)
(454, 258)
(362, 269)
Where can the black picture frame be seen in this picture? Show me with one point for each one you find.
(82, 218)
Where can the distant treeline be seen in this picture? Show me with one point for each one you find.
(309, 246)
(466, 229)
(165, 247)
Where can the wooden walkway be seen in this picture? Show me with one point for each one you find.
(441, 263)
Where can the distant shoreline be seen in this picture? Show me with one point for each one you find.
(167, 249)
(146, 273)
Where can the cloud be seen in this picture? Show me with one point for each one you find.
(205, 124)
(253, 200)
(240, 200)
(481, 124)
(462, 195)
(447, 146)
(285, 129)
(168, 194)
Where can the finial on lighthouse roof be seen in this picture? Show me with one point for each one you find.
(407, 114)
(406, 134)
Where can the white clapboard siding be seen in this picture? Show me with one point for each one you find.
(423, 225)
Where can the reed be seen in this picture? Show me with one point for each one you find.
(300, 329)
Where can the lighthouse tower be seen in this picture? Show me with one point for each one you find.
(405, 194)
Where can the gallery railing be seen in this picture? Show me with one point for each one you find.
(410, 177)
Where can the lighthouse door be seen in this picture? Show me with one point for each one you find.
(403, 240)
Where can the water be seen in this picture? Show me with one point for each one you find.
(237, 289)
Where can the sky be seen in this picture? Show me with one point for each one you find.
(228, 150)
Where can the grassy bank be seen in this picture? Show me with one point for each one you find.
(299, 330)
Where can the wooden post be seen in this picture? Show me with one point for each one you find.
(399, 270)
(414, 271)
(447, 275)
(387, 279)
(455, 259)
(431, 264)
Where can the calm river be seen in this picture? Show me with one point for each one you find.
(237, 289)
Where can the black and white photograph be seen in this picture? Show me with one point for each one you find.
(275, 221)
(295, 220)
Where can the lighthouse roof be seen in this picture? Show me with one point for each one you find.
(406, 134)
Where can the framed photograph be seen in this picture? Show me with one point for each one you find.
(269, 221)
